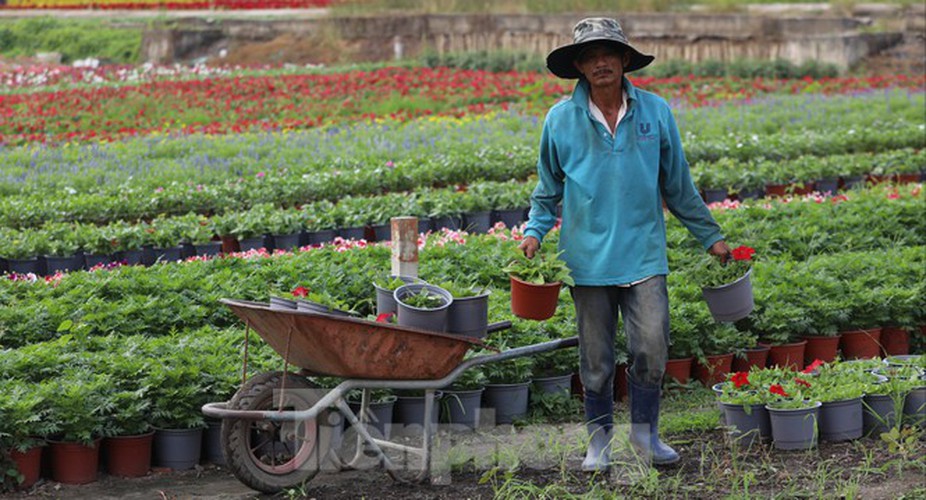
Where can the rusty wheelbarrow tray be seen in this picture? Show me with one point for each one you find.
(279, 432)
(347, 347)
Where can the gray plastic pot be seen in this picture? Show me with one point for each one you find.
(730, 302)
(178, 449)
(461, 408)
(508, 400)
(434, 320)
(794, 429)
(379, 416)
(469, 316)
(748, 428)
(279, 303)
(914, 407)
(409, 410)
(554, 385)
(841, 420)
(385, 299)
(878, 414)
(213, 452)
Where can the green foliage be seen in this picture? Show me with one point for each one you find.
(73, 39)
(740, 68)
(545, 267)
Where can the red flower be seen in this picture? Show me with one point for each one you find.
(777, 389)
(800, 381)
(385, 317)
(301, 292)
(743, 253)
(812, 367)
(740, 379)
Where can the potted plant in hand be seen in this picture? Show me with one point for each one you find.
(535, 283)
(726, 285)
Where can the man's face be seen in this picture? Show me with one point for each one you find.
(602, 64)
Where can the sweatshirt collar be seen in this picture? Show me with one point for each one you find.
(582, 93)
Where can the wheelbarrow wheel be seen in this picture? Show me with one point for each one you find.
(272, 456)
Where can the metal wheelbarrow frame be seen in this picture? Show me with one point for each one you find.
(368, 356)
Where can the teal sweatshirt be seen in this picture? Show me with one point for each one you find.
(612, 187)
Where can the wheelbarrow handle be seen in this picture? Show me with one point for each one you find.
(501, 325)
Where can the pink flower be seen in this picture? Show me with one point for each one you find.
(260, 175)
(300, 291)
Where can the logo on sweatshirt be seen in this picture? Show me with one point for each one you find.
(644, 132)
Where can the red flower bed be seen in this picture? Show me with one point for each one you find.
(235, 104)
(166, 5)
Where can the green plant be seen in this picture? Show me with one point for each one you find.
(77, 404)
(128, 413)
(23, 418)
(424, 299)
(714, 272)
(462, 291)
(471, 379)
(544, 267)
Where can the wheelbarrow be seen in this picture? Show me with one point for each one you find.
(279, 430)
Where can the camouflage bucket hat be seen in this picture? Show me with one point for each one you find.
(593, 29)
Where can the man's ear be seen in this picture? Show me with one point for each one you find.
(626, 58)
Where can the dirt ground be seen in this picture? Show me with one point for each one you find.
(548, 456)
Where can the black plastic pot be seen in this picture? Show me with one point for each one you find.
(178, 449)
(385, 299)
(750, 427)
(210, 249)
(320, 236)
(511, 217)
(265, 241)
(213, 452)
(553, 385)
(477, 222)
(462, 408)
(288, 241)
(91, 260)
(172, 254)
(382, 232)
(830, 186)
(452, 222)
(715, 195)
(54, 263)
(353, 233)
(34, 265)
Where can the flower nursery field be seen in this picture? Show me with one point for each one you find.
(133, 199)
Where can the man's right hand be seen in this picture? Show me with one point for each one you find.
(529, 246)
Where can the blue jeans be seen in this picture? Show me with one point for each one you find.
(645, 309)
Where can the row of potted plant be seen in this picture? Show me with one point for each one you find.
(792, 299)
(476, 207)
(834, 401)
(135, 397)
(172, 238)
(758, 176)
(333, 177)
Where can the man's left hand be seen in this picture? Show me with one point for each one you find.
(721, 250)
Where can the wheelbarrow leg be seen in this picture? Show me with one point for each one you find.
(427, 437)
(363, 436)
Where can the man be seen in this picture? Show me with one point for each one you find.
(612, 154)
